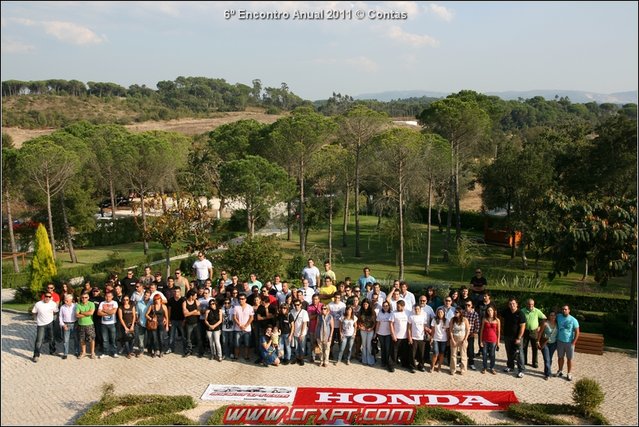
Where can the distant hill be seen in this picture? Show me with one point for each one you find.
(575, 96)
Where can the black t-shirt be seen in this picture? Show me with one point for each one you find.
(96, 300)
(192, 320)
(175, 307)
(213, 318)
(284, 323)
(262, 311)
(512, 322)
(128, 284)
(478, 282)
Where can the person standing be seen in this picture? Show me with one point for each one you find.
(489, 335)
(202, 269)
(473, 320)
(367, 324)
(459, 331)
(533, 318)
(347, 335)
(364, 279)
(213, 320)
(181, 282)
(44, 313)
(191, 319)
(84, 313)
(176, 314)
(127, 318)
(128, 282)
(439, 331)
(300, 327)
(416, 334)
(311, 273)
(328, 272)
(547, 342)
(514, 326)
(327, 291)
(399, 337)
(478, 285)
(243, 316)
(107, 310)
(140, 326)
(567, 336)
(383, 332)
(324, 334)
(157, 312)
(67, 325)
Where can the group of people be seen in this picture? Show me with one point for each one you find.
(322, 321)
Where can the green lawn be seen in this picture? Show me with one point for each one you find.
(379, 255)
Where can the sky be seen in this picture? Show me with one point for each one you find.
(368, 47)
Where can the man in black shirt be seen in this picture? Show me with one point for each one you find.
(513, 330)
(478, 285)
(159, 282)
(128, 283)
(176, 314)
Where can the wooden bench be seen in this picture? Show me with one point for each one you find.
(590, 343)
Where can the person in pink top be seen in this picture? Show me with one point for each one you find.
(314, 310)
(489, 338)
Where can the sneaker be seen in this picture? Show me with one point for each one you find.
(391, 369)
(64, 357)
(348, 362)
(115, 355)
(483, 371)
(546, 377)
(569, 377)
(559, 374)
(102, 356)
(411, 370)
(35, 359)
(520, 375)
(421, 369)
(508, 370)
(473, 367)
(169, 351)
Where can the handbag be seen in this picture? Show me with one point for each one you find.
(374, 344)
(152, 324)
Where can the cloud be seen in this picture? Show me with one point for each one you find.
(396, 33)
(67, 32)
(14, 46)
(363, 63)
(410, 7)
(442, 12)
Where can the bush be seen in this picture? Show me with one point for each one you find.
(587, 394)
(112, 232)
(616, 325)
(239, 220)
(257, 254)
(426, 413)
(470, 220)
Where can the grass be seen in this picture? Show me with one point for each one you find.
(380, 256)
(441, 415)
(546, 414)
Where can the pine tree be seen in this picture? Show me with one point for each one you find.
(42, 268)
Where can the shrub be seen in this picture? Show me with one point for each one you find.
(216, 418)
(587, 394)
(616, 325)
(42, 268)
(257, 254)
(426, 413)
(239, 220)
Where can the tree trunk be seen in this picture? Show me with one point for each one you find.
(430, 204)
(163, 201)
(112, 194)
(524, 258)
(302, 234)
(633, 294)
(457, 210)
(12, 238)
(167, 254)
(250, 221)
(146, 243)
(288, 221)
(358, 252)
(330, 229)
(52, 237)
(401, 222)
(585, 276)
(345, 226)
(67, 230)
(449, 220)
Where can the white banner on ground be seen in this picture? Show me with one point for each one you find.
(249, 393)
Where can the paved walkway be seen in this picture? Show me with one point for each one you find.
(55, 391)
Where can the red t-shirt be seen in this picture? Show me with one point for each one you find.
(55, 297)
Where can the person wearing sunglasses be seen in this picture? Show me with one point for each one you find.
(84, 310)
(44, 312)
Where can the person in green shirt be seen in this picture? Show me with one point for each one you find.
(533, 317)
(84, 313)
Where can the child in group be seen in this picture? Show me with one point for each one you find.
(275, 335)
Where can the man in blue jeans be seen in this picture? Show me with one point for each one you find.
(107, 311)
(44, 312)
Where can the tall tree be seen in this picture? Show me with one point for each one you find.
(50, 167)
(42, 269)
(357, 128)
(302, 134)
(9, 180)
(397, 154)
(465, 125)
(257, 183)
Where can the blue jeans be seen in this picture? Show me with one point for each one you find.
(70, 333)
(286, 346)
(547, 352)
(346, 342)
(488, 351)
(140, 336)
(191, 333)
(367, 353)
(176, 327)
(227, 343)
(300, 346)
(42, 333)
(108, 337)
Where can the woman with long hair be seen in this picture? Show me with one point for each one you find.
(547, 342)
(433, 300)
(489, 335)
(348, 327)
(459, 330)
(127, 317)
(439, 327)
(324, 334)
(367, 322)
(383, 332)
(157, 312)
(213, 321)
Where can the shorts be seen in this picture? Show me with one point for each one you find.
(87, 333)
(439, 347)
(242, 338)
(565, 349)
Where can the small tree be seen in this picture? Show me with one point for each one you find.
(42, 268)
(467, 251)
(587, 394)
(259, 254)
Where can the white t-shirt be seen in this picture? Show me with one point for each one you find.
(203, 305)
(44, 312)
(384, 320)
(202, 269)
(440, 330)
(417, 323)
(400, 324)
(337, 311)
(429, 313)
(311, 274)
(303, 317)
(281, 296)
(109, 320)
(227, 320)
(348, 327)
(242, 315)
(308, 294)
(409, 299)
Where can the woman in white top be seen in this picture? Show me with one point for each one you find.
(383, 331)
(347, 334)
(459, 330)
(440, 338)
